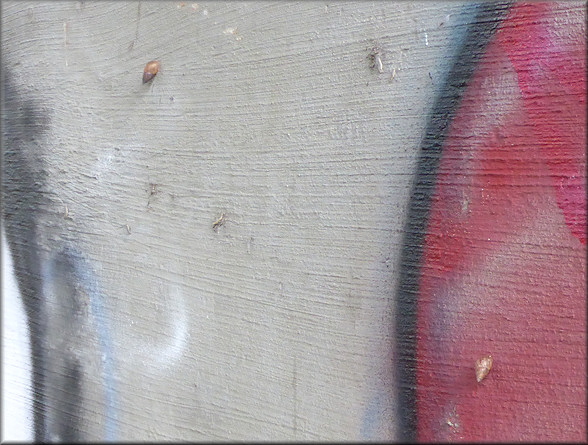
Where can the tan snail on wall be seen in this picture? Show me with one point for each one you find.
(482, 367)
(150, 70)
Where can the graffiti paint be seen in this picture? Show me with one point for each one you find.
(17, 421)
(54, 287)
(504, 258)
(23, 124)
(160, 356)
(69, 286)
(492, 262)
(466, 58)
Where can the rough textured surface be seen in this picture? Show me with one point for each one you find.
(308, 225)
(278, 324)
(504, 264)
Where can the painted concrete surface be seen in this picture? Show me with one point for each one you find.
(297, 123)
(504, 262)
(16, 363)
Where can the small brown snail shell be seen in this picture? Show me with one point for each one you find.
(150, 70)
(482, 367)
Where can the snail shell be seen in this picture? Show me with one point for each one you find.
(150, 70)
(482, 367)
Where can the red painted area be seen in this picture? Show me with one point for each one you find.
(504, 263)
(550, 62)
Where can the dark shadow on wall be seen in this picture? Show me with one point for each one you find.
(487, 18)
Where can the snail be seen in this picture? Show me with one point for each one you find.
(482, 367)
(150, 70)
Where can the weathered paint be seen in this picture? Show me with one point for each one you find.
(504, 262)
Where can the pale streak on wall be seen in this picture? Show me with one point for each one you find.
(16, 362)
(270, 114)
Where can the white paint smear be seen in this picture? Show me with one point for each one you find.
(160, 356)
(16, 363)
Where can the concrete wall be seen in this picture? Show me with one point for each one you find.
(276, 325)
(219, 249)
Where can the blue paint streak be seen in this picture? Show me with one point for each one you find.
(86, 279)
(371, 416)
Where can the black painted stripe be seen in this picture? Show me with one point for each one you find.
(487, 18)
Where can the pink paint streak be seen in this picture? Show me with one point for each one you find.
(504, 262)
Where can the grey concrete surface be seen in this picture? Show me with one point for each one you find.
(300, 123)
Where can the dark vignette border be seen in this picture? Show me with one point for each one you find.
(487, 18)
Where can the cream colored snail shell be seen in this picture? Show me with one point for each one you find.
(482, 367)
(150, 70)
